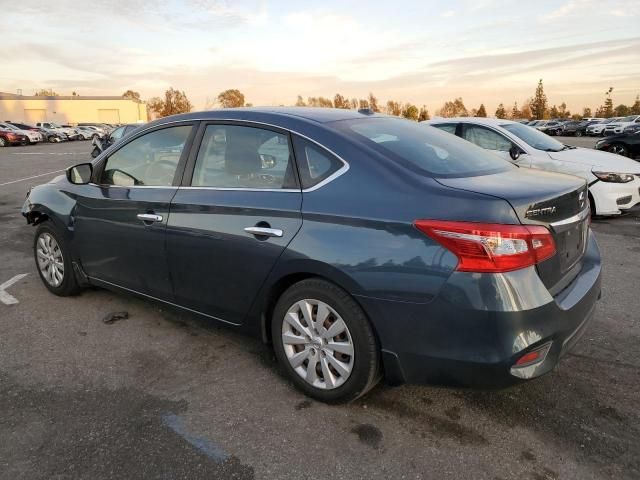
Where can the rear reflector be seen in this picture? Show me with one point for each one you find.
(535, 356)
(491, 247)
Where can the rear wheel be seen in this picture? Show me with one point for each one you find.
(3, 142)
(324, 342)
(53, 262)
(578, 133)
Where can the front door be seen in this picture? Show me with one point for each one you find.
(121, 219)
(233, 218)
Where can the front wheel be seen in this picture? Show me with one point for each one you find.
(619, 149)
(54, 262)
(324, 342)
(578, 133)
(3, 142)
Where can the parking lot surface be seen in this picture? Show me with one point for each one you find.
(163, 394)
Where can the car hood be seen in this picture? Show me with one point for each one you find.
(596, 158)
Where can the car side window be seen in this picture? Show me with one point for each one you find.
(235, 156)
(117, 133)
(151, 159)
(314, 163)
(486, 138)
(446, 127)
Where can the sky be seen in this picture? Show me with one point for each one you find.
(423, 52)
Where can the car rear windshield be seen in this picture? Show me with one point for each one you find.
(422, 148)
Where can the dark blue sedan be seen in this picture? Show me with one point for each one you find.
(359, 245)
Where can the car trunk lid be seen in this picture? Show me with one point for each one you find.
(556, 201)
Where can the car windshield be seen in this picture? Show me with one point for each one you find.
(630, 118)
(54, 125)
(424, 149)
(533, 137)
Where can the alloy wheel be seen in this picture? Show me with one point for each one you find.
(618, 149)
(3, 142)
(318, 344)
(50, 260)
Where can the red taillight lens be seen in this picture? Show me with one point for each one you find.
(489, 247)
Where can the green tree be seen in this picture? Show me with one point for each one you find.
(363, 103)
(394, 108)
(515, 111)
(325, 102)
(410, 111)
(174, 102)
(539, 102)
(554, 112)
(424, 114)
(525, 112)
(586, 112)
(635, 108)
(131, 94)
(501, 112)
(482, 112)
(562, 110)
(455, 108)
(606, 110)
(300, 102)
(621, 111)
(231, 98)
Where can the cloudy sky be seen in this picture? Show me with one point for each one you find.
(424, 52)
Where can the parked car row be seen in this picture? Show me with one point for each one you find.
(587, 126)
(16, 133)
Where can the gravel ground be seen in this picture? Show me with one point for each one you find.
(168, 395)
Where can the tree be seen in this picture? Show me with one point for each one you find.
(424, 114)
(300, 102)
(394, 108)
(410, 111)
(562, 110)
(482, 112)
(231, 98)
(325, 102)
(606, 110)
(46, 93)
(455, 108)
(373, 102)
(341, 102)
(174, 102)
(621, 111)
(515, 112)
(554, 112)
(525, 112)
(635, 108)
(354, 103)
(586, 112)
(131, 95)
(501, 112)
(539, 102)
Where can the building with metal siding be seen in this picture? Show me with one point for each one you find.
(70, 109)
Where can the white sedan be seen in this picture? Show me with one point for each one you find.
(614, 181)
(33, 136)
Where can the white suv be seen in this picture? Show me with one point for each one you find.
(614, 181)
(69, 132)
(598, 128)
(618, 126)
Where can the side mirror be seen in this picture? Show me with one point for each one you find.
(80, 174)
(514, 153)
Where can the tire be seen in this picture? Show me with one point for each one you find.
(338, 376)
(619, 149)
(59, 281)
(51, 138)
(3, 142)
(578, 133)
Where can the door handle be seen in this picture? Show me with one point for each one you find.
(264, 232)
(150, 217)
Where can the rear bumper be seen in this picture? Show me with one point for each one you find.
(480, 325)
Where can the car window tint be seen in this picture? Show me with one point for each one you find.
(485, 138)
(446, 127)
(151, 159)
(234, 156)
(422, 147)
(314, 163)
(117, 133)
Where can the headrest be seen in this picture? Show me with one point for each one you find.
(241, 154)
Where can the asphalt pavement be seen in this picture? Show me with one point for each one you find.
(163, 394)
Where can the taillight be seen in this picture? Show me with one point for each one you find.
(491, 247)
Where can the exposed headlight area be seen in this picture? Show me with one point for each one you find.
(613, 177)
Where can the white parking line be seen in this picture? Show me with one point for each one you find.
(4, 296)
(29, 178)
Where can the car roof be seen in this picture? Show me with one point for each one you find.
(491, 122)
(276, 115)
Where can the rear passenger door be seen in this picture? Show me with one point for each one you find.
(237, 209)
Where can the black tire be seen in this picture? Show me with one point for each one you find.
(578, 133)
(69, 284)
(3, 142)
(619, 149)
(365, 371)
(51, 138)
